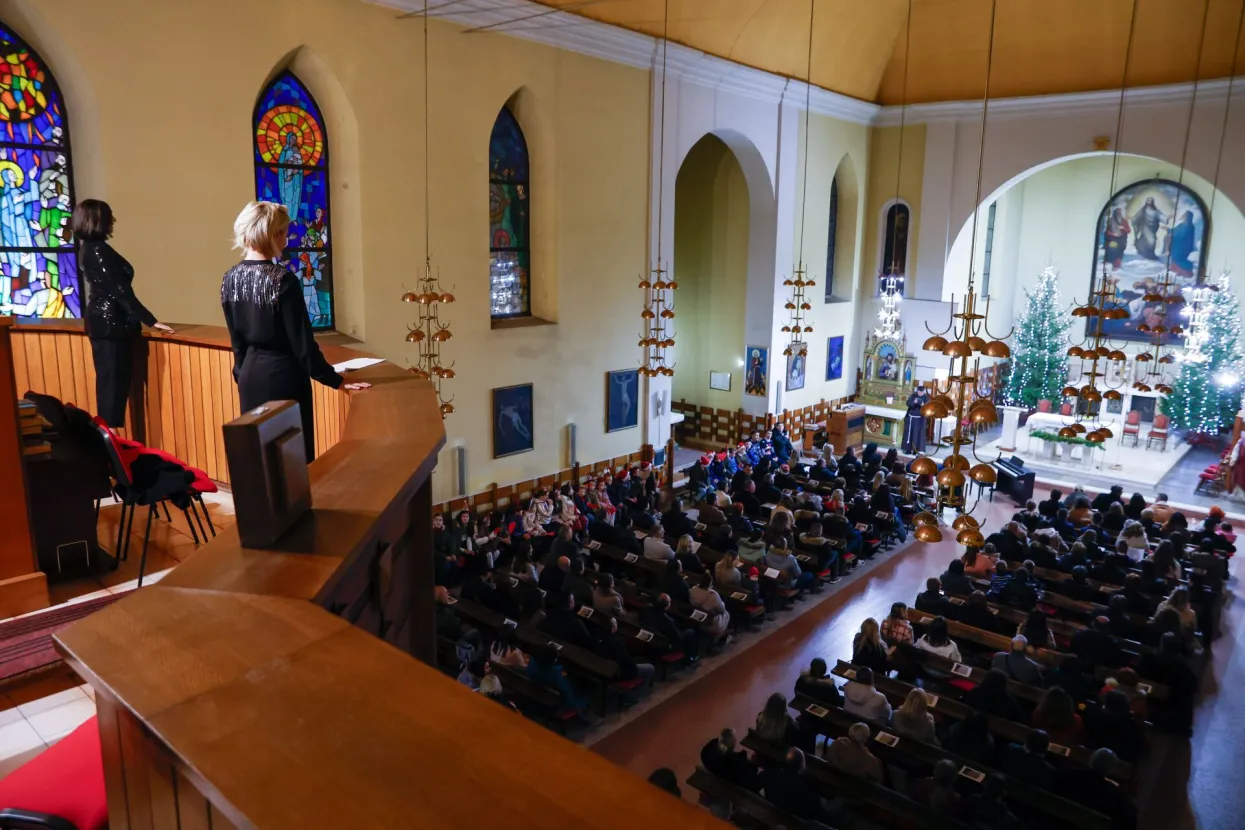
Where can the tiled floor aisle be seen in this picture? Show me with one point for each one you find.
(36, 715)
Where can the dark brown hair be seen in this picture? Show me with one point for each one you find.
(92, 219)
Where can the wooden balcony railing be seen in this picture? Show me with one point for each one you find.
(278, 688)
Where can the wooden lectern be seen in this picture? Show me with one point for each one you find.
(23, 587)
(268, 468)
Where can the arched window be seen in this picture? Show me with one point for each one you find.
(292, 168)
(895, 248)
(38, 264)
(510, 255)
(832, 238)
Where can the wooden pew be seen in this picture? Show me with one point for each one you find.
(874, 798)
(746, 803)
(580, 660)
(833, 722)
(1060, 627)
(897, 691)
(975, 675)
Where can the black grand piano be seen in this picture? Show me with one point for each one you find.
(1015, 479)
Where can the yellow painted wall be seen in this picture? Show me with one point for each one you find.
(711, 227)
(160, 96)
(883, 168)
(837, 148)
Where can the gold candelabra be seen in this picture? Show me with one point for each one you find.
(1168, 297)
(429, 332)
(1098, 352)
(971, 409)
(798, 306)
(657, 314)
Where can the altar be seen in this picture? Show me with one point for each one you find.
(885, 383)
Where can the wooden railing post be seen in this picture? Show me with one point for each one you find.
(421, 627)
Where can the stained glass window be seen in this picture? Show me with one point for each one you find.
(895, 250)
(292, 168)
(832, 239)
(38, 265)
(510, 256)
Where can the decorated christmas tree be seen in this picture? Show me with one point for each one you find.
(1040, 346)
(1207, 392)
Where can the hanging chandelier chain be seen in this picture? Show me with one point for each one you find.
(661, 141)
(981, 149)
(903, 114)
(1119, 115)
(808, 118)
(1227, 109)
(427, 151)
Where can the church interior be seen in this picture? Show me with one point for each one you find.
(778, 413)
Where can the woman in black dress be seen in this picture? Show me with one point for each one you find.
(114, 316)
(275, 355)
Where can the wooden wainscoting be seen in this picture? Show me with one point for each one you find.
(496, 497)
(706, 428)
(187, 393)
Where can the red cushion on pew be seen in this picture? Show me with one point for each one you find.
(628, 685)
(672, 657)
(963, 685)
(66, 780)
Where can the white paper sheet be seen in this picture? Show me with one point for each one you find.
(356, 363)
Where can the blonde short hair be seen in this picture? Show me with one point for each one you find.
(262, 227)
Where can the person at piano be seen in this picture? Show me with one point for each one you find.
(914, 421)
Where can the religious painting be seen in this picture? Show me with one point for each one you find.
(1145, 230)
(797, 366)
(869, 366)
(721, 381)
(512, 420)
(38, 263)
(834, 358)
(888, 362)
(907, 373)
(509, 219)
(292, 169)
(622, 394)
(756, 374)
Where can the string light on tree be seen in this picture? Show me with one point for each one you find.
(1040, 361)
(1203, 398)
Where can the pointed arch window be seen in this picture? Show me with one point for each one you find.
(895, 248)
(510, 254)
(833, 238)
(38, 263)
(292, 168)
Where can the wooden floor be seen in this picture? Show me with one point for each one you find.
(1174, 798)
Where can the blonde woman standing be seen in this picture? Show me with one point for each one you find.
(275, 354)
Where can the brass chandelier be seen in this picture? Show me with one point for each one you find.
(429, 331)
(970, 340)
(657, 332)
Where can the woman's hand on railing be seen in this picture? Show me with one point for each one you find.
(355, 387)
(164, 327)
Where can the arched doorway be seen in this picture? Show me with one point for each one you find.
(711, 254)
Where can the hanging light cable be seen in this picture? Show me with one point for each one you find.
(891, 280)
(1100, 307)
(798, 305)
(429, 331)
(658, 335)
(971, 406)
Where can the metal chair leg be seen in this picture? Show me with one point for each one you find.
(191, 525)
(129, 532)
(167, 517)
(142, 562)
(206, 515)
(117, 550)
(194, 508)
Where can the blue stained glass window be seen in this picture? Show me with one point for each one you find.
(510, 255)
(292, 168)
(38, 265)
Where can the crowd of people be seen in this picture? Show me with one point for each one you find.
(1149, 580)
(734, 548)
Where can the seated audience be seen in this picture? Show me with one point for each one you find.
(991, 697)
(789, 788)
(1027, 762)
(938, 641)
(1169, 668)
(704, 598)
(1016, 665)
(1095, 789)
(850, 754)
(896, 630)
(655, 546)
(954, 581)
(545, 670)
(932, 601)
(663, 778)
(774, 722)
(605, 600)
(937, 792)
(1113, 725)
(655, 617)
(861, 699)
(1050, 507)
(979, 564)
(1096, 646)
(971, 739)
(816, 682)
(868, 647)
(1056, 714)
(987, 810)
(505, 650)
(671, 581)
(721, 757)
(1036, 631)
(913, 719)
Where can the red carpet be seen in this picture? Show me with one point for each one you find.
(26, 644)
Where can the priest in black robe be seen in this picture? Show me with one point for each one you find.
(914, 421)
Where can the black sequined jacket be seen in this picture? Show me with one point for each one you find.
(112, 310)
